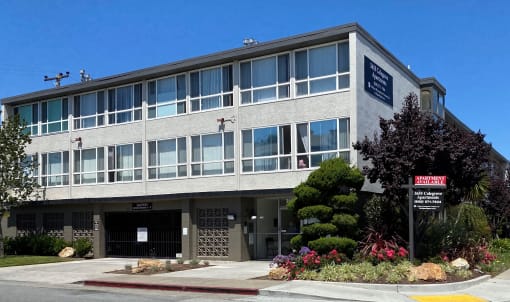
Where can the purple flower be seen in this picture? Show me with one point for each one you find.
(304, 250)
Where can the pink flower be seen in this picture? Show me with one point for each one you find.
(402, 252)
(380, 256)
(390, 253)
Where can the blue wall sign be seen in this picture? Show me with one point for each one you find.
(378, 82)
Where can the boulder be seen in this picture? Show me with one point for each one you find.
(148, 264)
(278, 273)
(427, 272)
(66, 252)
(460, 263)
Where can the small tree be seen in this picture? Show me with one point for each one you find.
(17, 184)
(497, 204)
(326, 203)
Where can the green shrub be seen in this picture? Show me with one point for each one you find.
(58, 245)
(194, 261)
(346, 224)
(297, 242)
(321, 212)
(306, 196)
(341, 244)
(345, 202)
(35, 244)
(180, 261)
(501, 245)
(82, 246)
(317, 230)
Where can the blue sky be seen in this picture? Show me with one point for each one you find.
(465, 44)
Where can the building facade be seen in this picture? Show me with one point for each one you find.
(197, 158)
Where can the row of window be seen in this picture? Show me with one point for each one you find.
(315, 70)
(262, 149)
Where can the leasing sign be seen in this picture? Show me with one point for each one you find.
(378, 82)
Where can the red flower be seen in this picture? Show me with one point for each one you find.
(390, 253)
(402, 252)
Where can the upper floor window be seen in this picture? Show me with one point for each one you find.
(125, 162)
(167, 158)
(89, 110)
(322, 69)
(54, 116)
(265, 79)
(211, 88)
(167, 97)
(125, 104)
(266, 149)
(321, 140)
(212, 154)
(55, 169)
(30, 115)
(88, 166)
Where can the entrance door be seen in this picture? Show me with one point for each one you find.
(143, 234)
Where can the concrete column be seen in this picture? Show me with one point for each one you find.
(187, 229)
(99, 232)
(68, 226)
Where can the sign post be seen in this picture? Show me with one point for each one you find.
(425, 198)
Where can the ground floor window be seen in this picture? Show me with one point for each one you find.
(83, 225)
(53, 224)
(25, 224)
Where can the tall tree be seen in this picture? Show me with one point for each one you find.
(17, 184)
(416, 143)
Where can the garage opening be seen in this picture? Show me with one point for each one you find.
(143, 234)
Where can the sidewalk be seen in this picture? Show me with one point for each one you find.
(238, 278)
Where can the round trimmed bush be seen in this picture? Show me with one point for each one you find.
(340, 244)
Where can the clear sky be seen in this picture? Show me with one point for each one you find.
(465, 44)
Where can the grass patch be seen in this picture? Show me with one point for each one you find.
(28, 260)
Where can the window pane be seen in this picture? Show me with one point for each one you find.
(302, 138)
(181, 87)
(124, 98)
(194, 84)
(210, 81)
(167, 110)
(167, 90)
(138, 155)
(152, 154)
(283, 69)
(167, 152)
(124, 157)
(267, 164)
(301, 65)
(210, 103)
(245, 75)
(302, 88)
(322, 85)
(247, 145)
(323, 135)
(265, 142)
(228, 84)
(343, 130)
(343, 57)
(89, 160)
(211, 147)
(151, 87)
(54, 111)
(228, 142)
(88, 105)
(264, 72)
(323, 61)
(285, 147)
(182, 150)
(213, 168)
(76, 161)
(264, 95)
(343, 81)
(195, 148)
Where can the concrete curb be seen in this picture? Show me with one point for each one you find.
(174, 287)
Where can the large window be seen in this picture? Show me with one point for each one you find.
(125, 104)
(54, 116)
(125, 162)
(30, 115)
(88, 166)
(212, 154)
(211, 88)
(167, 158)
(167, 97)
(55, 169)
(266, 149)
(321, 140)
(265, 79)
(89, 110)
(322, 69)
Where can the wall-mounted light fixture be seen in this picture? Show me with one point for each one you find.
(231, 216)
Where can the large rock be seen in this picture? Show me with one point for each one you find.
(428, 272)
(460, 263)
(148, 265)
(278, 273)
(66, 252)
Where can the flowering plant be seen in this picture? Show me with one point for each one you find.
(378, 248)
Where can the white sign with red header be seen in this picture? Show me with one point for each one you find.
(430, 181)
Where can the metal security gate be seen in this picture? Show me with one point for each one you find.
(163, 234)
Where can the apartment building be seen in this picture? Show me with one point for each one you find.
(197, 158)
